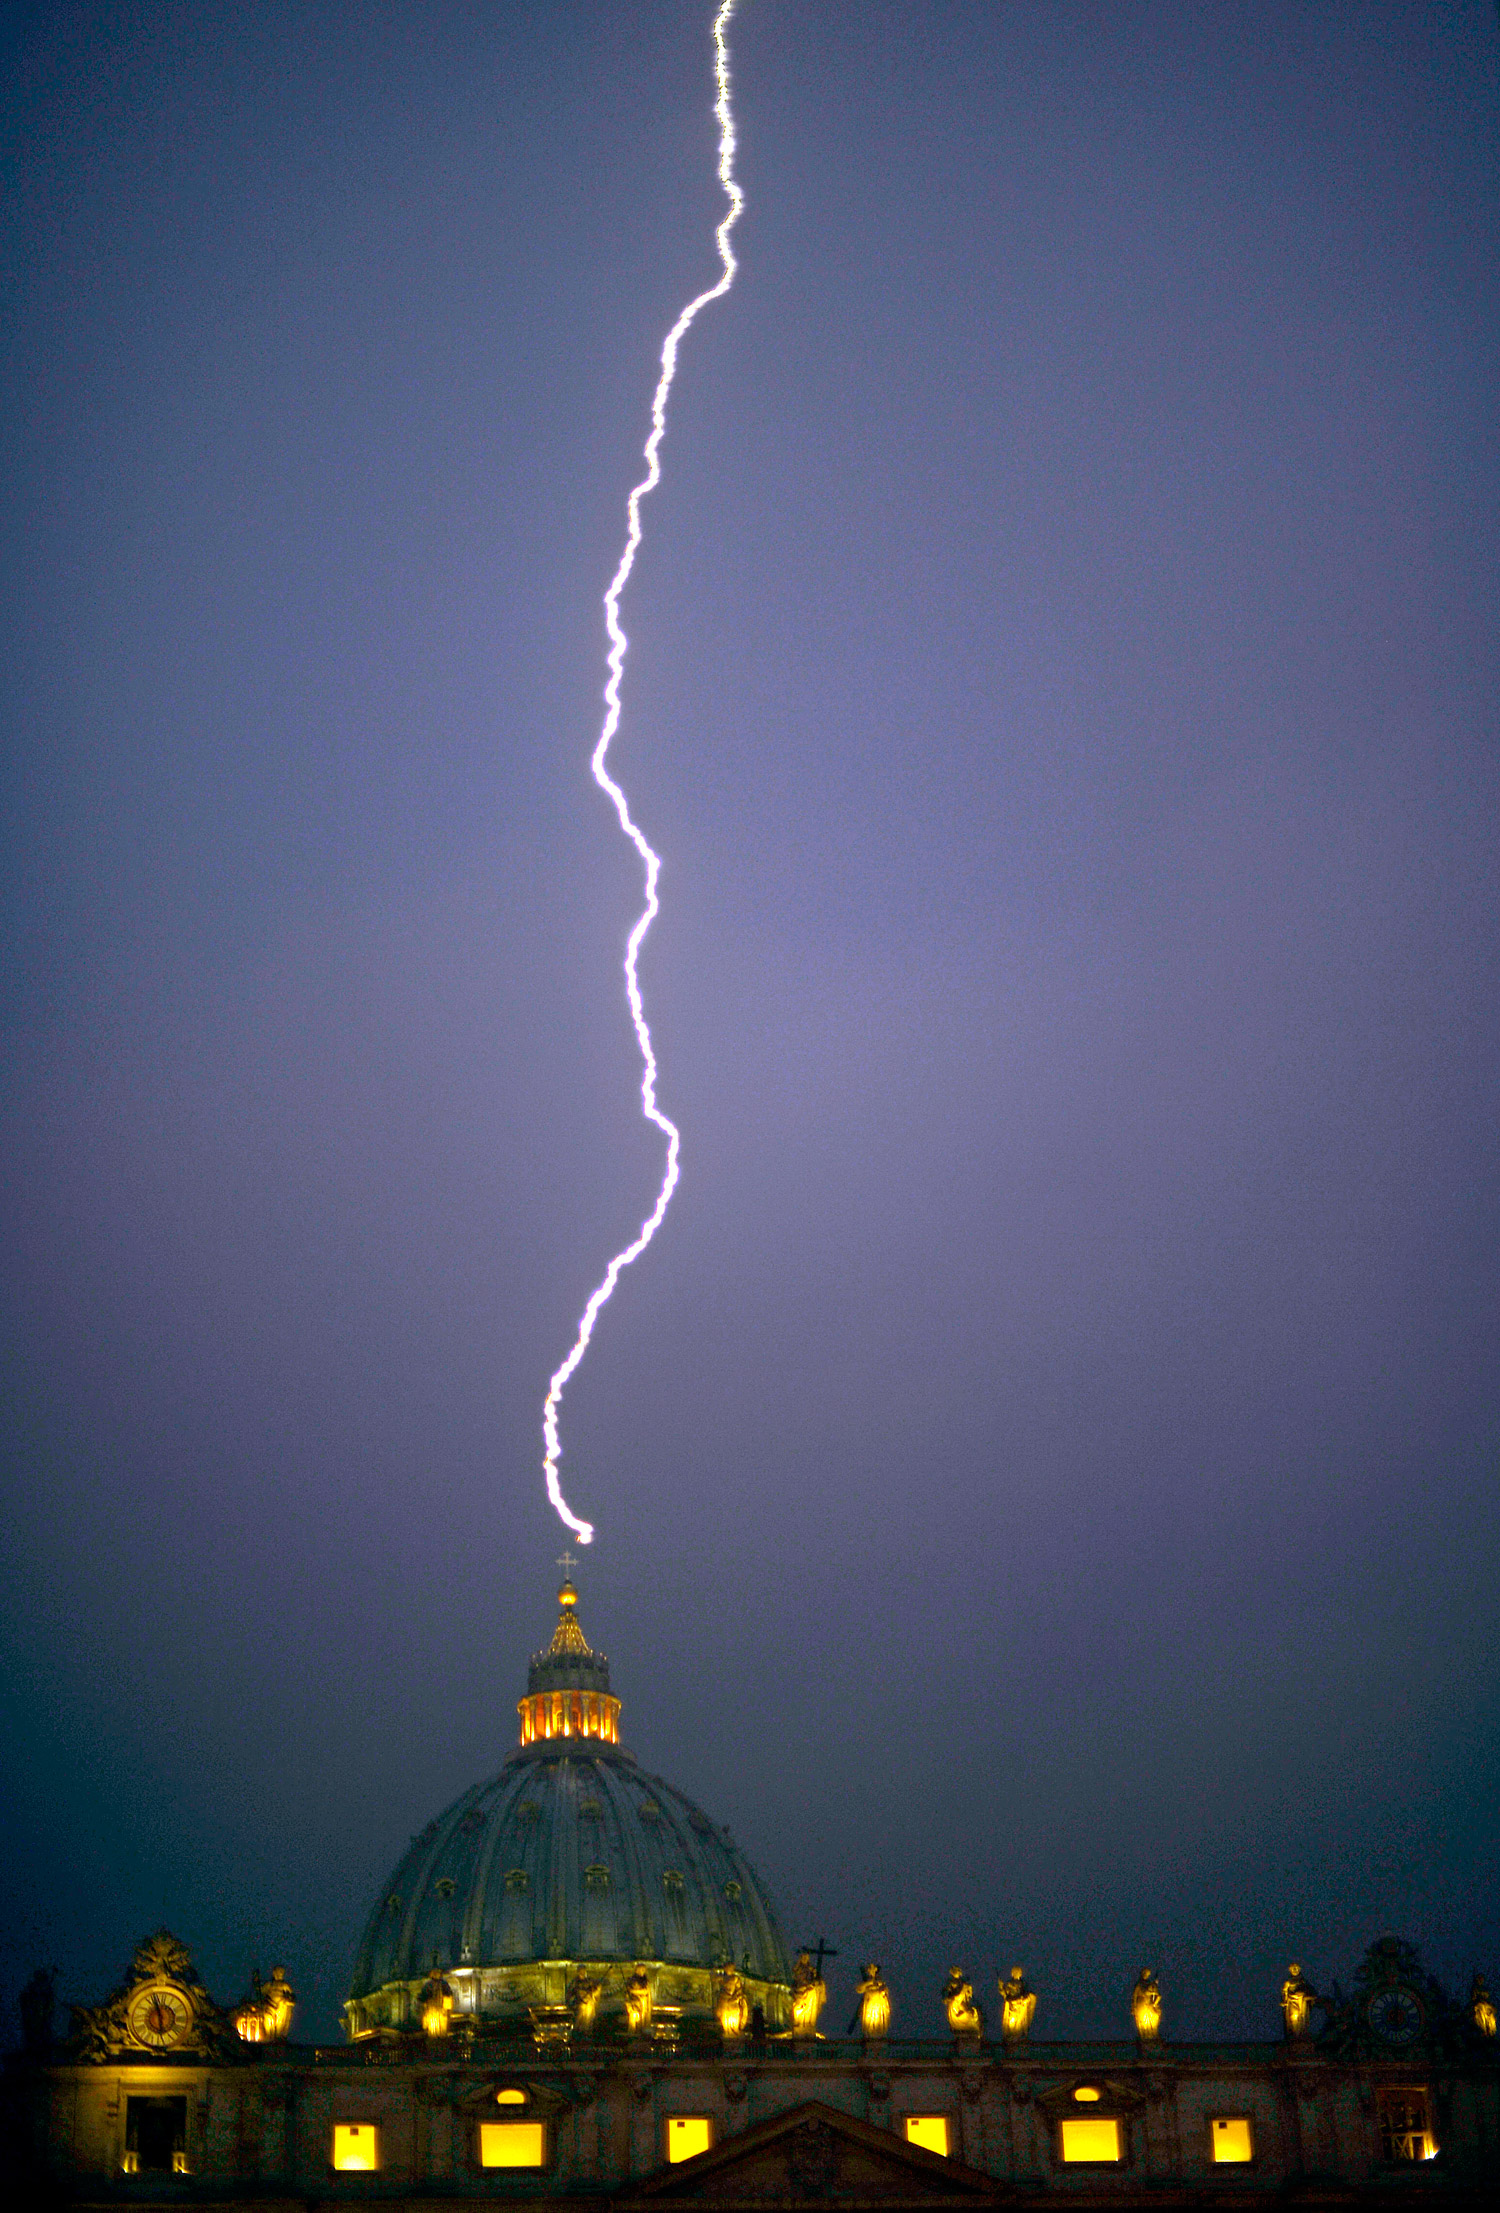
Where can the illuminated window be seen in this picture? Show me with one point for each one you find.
(1231, 2140)
(512, 2143)
(1404, 2132)
(1086, 2094)
(356, 2147)
(510, 2097)
(928, 2131)
(1093, 2141)
(688, 2134)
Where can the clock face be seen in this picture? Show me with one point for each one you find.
(159, 2016)
(1395, 2016)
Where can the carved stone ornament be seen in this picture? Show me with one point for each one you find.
(1117, 2094)
(551, 2029)
(160, 2010)
(812, 2160)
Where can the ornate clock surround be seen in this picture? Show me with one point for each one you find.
(160, 2011)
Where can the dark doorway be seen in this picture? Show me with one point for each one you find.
(156, 2132)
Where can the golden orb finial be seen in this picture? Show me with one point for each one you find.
(567, 1596)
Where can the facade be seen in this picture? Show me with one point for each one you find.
(573, 1991)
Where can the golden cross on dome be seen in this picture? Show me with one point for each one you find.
(567, 1563)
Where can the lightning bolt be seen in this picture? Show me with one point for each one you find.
(650, 860)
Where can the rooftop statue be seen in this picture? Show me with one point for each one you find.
(731, 2002)
(964, 2017)
(809, 1991)
(280, 2002)
(583, 1996)
(874, 2001)
(1297, 2001)
(1145, 2004)
(1017, 2007)
(435, 2004)
(266, 2015)
(1481, 2006)
(808, 1995)
(638, 2002)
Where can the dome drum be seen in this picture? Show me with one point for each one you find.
(538, 2001)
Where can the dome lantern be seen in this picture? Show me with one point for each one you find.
(567, 1686)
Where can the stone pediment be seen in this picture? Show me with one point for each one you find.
(814, 2156)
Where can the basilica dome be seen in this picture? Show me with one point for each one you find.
(571, 1869)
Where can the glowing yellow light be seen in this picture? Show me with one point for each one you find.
(1403, 2125)
(1095, 2139)
(356, 2147)
(1298, 1998)
(1145, 2004)
(1085, 2094)
(732, 2001)
(436, 2004)
(512, 2144)
(688, 2134)
(1232, 2143)
(651, 861)
(928, 2131)
(874, 2001)
(510, 2097)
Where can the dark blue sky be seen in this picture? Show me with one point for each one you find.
(1046, 1468)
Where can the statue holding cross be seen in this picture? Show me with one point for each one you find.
(809, 1991)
